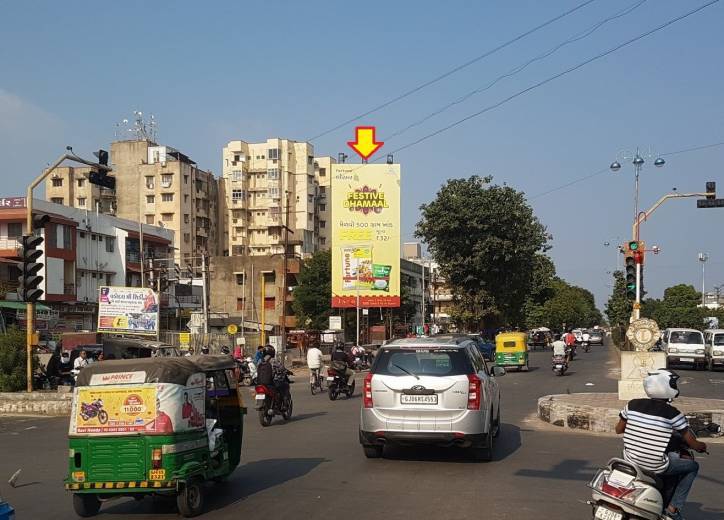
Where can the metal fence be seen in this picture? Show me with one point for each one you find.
(214, 341)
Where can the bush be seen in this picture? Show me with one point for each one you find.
(12, 361)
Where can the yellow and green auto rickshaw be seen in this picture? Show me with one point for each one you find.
(511, 350)
(153, 426)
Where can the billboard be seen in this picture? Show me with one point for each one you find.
(139, 408)
(132, 310)
(365, 235)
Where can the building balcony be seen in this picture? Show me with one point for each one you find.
(133, 256)
(10, 247)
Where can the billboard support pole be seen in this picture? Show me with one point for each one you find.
(357, 305)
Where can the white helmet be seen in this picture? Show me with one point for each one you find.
(661, 384)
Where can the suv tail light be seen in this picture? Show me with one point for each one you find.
(367, 392)
(475, 391)
(156, 458)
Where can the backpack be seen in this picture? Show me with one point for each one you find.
(264, 374)
(339, 366)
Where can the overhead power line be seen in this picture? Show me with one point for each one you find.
(577, 37)
(555, 76)
(452, 71)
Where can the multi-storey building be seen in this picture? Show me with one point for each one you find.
(82, 251)
(323, 174)
(155, 185)
(263, 184)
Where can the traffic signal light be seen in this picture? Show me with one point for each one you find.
(29, 280)
(102, 157)
(630, 272)
(101, 178)
(711, 190)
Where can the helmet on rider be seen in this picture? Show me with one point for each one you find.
(205, 349)
(339, 346)
(225, 350)
(269, 351)
(662, 384)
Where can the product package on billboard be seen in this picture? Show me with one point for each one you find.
(381, 277)
(357, 268)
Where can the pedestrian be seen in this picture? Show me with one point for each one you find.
(259, 355)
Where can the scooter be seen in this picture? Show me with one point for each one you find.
(337, 384)
(247, 372)
(623, 491)
(559, 365)
(586, 346)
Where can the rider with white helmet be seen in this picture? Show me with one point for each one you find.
(647, 426)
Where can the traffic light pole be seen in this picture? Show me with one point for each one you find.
(30, 308)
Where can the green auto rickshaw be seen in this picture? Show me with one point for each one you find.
(511, 350)
(148, 426)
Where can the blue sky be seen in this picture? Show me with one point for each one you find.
(212, 72)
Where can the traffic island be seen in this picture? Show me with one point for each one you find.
(598, 412)
(36, 403)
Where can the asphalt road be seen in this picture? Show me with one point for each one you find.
(313, 465)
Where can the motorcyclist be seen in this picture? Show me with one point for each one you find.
(272, 372)
(204, 350)
(340, 357)
(560, 350)
(570, 340)
(314, 362)
(648, 426)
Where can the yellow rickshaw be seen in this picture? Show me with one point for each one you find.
(511, 350)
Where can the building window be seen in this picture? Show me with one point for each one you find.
(273, 193)
(82, 234)
(273, 174)
(240, 304)
(15, 230)
(186, 218)
(186, 199)
(149, 219)
(236, 175)
(322, 190)
(110, 244)
(239, 278)
(322, 207)
(166, 180)
(167, 217)
(51, 236)
(167, 197)
(109, 279)
(270, 277)
(310, 199)
(81, 202)
(57, 182)
(323, 172)
(323, 224)
(150, 199)
(57, 200)
(272, 153)
(150, 183)
(81, 183)
(237, 157)
(270, 303)
(187, 237)
(237, 250)
(186, 179)
(322, 240)
(237, 194)
(66, 237)
(93, 237)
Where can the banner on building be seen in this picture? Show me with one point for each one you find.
(366, 235)
(132, 310)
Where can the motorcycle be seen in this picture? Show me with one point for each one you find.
(360, 363)
(559, 365)
(586, 346)
(269, 402)
(246, 371)
(94, 409)
(623, 491)
(337, 384)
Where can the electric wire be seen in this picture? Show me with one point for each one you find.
(452, 71)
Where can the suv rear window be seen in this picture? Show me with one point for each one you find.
(422, 361)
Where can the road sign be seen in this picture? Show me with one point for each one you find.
(365, 143)
(643, 334)
(232, 329)
(335, 323)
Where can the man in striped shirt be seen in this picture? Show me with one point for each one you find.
(648, 425)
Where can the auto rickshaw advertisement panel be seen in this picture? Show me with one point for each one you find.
(152, 408)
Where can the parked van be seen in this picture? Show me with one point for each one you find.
(714, 348)
(684, 346)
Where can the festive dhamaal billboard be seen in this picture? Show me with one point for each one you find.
(365, 235)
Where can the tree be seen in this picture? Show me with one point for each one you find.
(485, 238)
(12, 361)
(568, 304)
(312, 296)
(678, 308)
(619, 307)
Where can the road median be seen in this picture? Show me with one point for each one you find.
(598, 412)
(36, 403)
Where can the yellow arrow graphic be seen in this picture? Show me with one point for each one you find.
(365, 143)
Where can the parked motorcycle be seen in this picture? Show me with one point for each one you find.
(94, 409)
(623, 491)
(269, 402)
(559, 364)
(337, 384)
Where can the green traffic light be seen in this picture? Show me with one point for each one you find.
(633, 245)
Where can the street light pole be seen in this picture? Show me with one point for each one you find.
(703, 257)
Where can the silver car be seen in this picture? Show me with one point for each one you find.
(436, 391)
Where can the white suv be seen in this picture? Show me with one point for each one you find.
(684, 346)
(436, 391)
(714, 339)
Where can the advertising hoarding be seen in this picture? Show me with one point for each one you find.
(132, 310)
(365, 235)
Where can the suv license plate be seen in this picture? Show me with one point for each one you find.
(603, 513)
(418, 399)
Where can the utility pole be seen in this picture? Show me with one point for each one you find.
(205, 301)
(423, 295)
(263, 308)
(357, 305)
(703, 257)
(141, 257)
(284, 278)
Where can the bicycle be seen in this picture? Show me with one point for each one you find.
(318, 380)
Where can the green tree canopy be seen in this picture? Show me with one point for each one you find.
(486, 239)
(313, 294)
(567, 304)
(678, 308)
(618, 307)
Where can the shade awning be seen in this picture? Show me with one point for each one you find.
(20, 306)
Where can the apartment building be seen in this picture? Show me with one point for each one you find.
(82, 251)
(323, 174)
(262, 183)
(156, 185)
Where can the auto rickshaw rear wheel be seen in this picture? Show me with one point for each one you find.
(86, 504)
(190, 499)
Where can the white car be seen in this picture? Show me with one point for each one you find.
(684, 346)
(714, 348)
(436, 391)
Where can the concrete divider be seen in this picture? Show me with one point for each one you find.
(36, 403)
